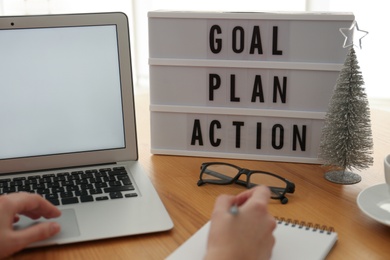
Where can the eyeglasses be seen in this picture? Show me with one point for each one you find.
(224, 173)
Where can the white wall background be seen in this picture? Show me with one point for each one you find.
(370, 15)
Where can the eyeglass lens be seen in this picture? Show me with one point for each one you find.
(220, 173)
(223, 174)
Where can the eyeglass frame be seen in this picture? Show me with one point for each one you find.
(290, 186)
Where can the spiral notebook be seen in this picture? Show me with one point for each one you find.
(294, 240)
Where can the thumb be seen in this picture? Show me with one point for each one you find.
(41, 231)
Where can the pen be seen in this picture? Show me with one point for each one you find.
(234, 210)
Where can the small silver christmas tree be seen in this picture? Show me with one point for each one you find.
(346, 140)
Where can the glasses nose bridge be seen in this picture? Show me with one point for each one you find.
(243, 171)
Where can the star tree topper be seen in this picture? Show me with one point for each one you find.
(351, 34)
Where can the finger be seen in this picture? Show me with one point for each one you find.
(16, 218)
(41, 231)
(256, 192)
(257, 198)
(31, 205)
(223, 203)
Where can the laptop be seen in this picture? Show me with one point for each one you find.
(68, 129)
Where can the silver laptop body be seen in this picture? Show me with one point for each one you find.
(67, 108)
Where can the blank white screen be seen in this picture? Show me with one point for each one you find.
(60, 91)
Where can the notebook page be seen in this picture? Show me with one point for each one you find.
(291, 243)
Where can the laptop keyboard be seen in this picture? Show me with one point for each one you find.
(74, 187)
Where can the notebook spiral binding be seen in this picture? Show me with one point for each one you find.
(305, 225)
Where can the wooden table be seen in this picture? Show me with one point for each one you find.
(315, 200)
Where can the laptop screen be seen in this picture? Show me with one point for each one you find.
(60, 91)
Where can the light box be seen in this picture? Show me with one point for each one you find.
(243, 85)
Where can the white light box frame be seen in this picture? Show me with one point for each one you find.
(242, 85)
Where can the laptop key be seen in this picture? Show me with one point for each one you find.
(101, 185)
(58, 190)
(86, 198)
(9, 190)
(116, 195)
(30, 181)
(119, 188)
(95, 191)
(126, 180)
(72, 188)
(115, 183)
(43, 191)
(25, 188)
(39, 186)
(63, 174)
(19, 179)
(86, 186)
(131, 195)
(16, 183)
(51, 196)
(71, 200)
(81, 193)
(101, 198)
(66, 194)
(55, 202)
(53, 185)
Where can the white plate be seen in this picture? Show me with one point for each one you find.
(374, 201)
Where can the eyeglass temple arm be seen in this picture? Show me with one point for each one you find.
(216, 174)
(290, 187)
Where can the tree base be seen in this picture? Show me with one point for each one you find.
(343, 177)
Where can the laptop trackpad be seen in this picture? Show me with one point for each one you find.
(67, 221)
